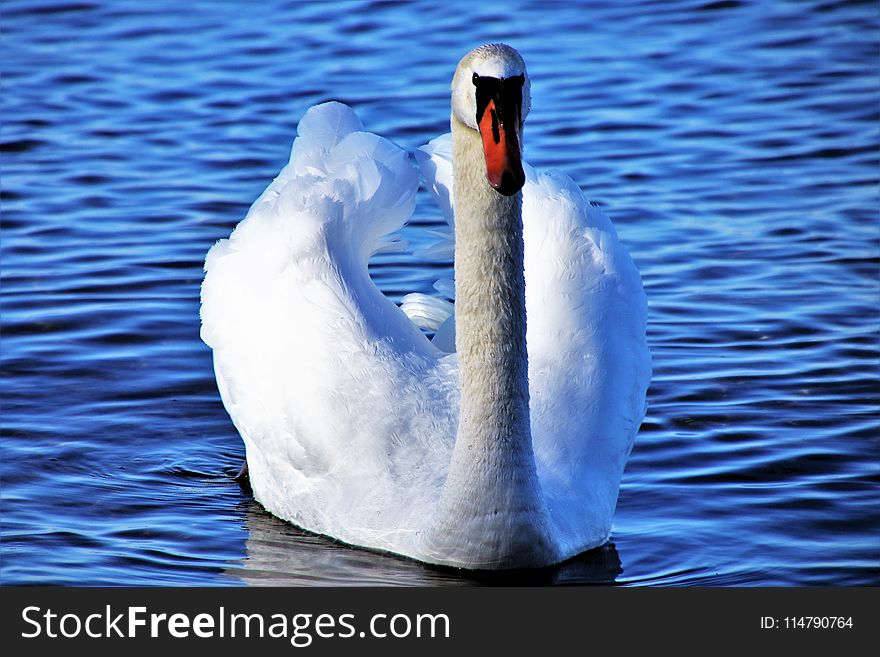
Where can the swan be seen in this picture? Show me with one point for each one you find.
(501, 442)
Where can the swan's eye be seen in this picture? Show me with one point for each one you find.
(475, 78)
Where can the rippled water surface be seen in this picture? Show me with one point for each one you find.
(734, 144)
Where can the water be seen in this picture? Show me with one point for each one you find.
(735, 145)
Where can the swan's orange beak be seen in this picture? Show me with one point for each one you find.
(499, 128)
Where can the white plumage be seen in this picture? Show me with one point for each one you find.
(349, 413)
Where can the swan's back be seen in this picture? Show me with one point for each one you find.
(347, 411)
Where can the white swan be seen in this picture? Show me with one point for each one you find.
(506, 454)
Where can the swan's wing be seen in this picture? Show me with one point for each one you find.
(589, 364)
(300, 332)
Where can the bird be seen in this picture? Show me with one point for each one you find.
(498, 443)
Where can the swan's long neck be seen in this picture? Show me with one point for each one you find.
(490, 309)
(491, 512)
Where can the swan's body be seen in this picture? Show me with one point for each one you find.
(508, 453)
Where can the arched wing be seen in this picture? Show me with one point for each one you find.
(300, 331)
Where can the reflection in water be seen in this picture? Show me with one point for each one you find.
(279, 554)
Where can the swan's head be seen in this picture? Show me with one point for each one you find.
(491, 94)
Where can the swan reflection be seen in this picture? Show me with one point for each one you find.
(279, 554)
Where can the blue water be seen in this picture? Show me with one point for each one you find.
(734, 144)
